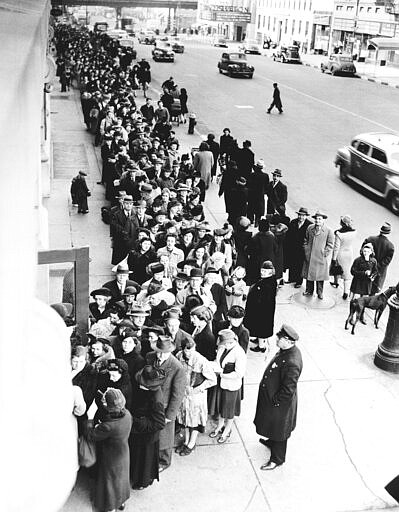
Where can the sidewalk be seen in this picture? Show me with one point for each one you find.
(344, 449)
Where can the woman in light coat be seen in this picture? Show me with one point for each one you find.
(230, 365)
(343, 252)
(203, 163)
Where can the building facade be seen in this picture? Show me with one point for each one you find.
(225, 18)
(355, 22)
(302, 22)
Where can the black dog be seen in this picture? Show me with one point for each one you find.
(376, 302)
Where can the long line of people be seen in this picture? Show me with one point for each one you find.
(169, 334)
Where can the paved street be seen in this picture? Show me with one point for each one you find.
(344, 449)
(321, 114)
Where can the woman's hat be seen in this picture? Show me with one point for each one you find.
(218, 256)
(114, 400)
(239, 272)
(174, 312)
(204, 226)
(303, 211)
(236, 312)
(117, 365)
(347, 220)
(211, 270)
(219, 232)
(150, 377)
(368, 246)
(155, 268)
(182, 276)
(226, 335)
(244, 222)
(130, 290)
(164, 344)
(319, 214)
(104, 292)
(268, 265)
(138, 311)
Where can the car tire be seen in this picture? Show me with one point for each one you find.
(343, 172)
(250, 76)
(393, 202)
(322, 69)
(229, 73)
(220, 71)
(334, 72)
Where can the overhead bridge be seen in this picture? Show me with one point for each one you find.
(167, 4)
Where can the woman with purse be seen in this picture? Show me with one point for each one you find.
(193, 412)
(230, 364)
(112, 434)
(342, 257)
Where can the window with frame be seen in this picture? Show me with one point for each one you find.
(338, 8)
(293, 27)
(379, 155)
(307, 28)
(299, 26)
(349, 7)
(377, 10)
(363, 148)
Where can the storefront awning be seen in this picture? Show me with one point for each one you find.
(384, 43)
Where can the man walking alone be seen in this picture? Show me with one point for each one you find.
(276, 100)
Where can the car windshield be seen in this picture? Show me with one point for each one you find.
(237, 56)
(345, 59)
(394, 158)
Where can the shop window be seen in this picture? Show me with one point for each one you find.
(258, 20)
(264, 21)
(286, 26)
(307, 28)
(299, 26)
(293, 27)
(268, 23)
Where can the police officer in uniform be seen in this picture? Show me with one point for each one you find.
(276, 408)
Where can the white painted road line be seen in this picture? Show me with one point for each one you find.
(243, 106)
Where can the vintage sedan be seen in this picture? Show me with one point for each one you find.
(250, 47)
(221, 42)
(372, 161)
(287, 54)
(163, 52)
(177, 45)
(235, 64)
(339, 64)
(146, 37)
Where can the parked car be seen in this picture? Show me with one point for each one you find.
(117, 33)
(372, 161)
(146, 37)
(248, 47)
(235, 64)
(288, 54)
(338, 63)
(221, 42)
(177, 45)
(163, 52)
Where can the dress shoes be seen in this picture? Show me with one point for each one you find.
(269, 466)
(162, 468)
(307, 294)
(258, 349)
(265, 442)
(297, 285)
(320, 296)
(122, 507)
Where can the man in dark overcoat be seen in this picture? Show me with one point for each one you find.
(173, 391)
(276, 100)
(124, 228)
(245, 159)
(383, 251)
(277, 194)
(118, 285)
(262, 247)
(257, 184)
(276, 408)
(215, 150)
(294, 254)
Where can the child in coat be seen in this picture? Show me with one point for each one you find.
(80, 192)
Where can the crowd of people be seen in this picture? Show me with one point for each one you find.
(169, 334)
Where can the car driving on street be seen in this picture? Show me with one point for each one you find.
(250, 47)
(372, 161)
(287, 54)
(177, 45)
(235, 64)
(146, 37)
(339, 64)
(163, 52)
(221, 42)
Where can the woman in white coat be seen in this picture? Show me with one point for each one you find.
(230, 366)
(343, 252)
(203, 163)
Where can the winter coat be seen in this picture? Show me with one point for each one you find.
(294, 254)
(112, 484)
(232, 381)
(383, 251)
(318, 251)
(279, 233)
(257, 187)
(124, 234)
(276, 408)
(276, 197)
(203, 163)
(260, 308)
(205, 343)
(343, 251)
(262, 247)
(242, 239)
(362, 283)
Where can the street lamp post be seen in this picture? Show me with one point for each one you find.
(387, 354)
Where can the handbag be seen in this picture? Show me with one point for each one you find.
(86, 452)
(336, 269)
(196, 379)
(229, 368)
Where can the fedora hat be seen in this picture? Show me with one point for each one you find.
(127, 199)
(122, 268)
(277, 172)
(153, 328)
(302, 210)
(319, 213)
(150, 377)
(260, 164)
(195, 272)
(130, 290)
(138, 310)
(164, 344)
(226, 335)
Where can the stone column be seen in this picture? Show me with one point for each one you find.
(387, 355)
